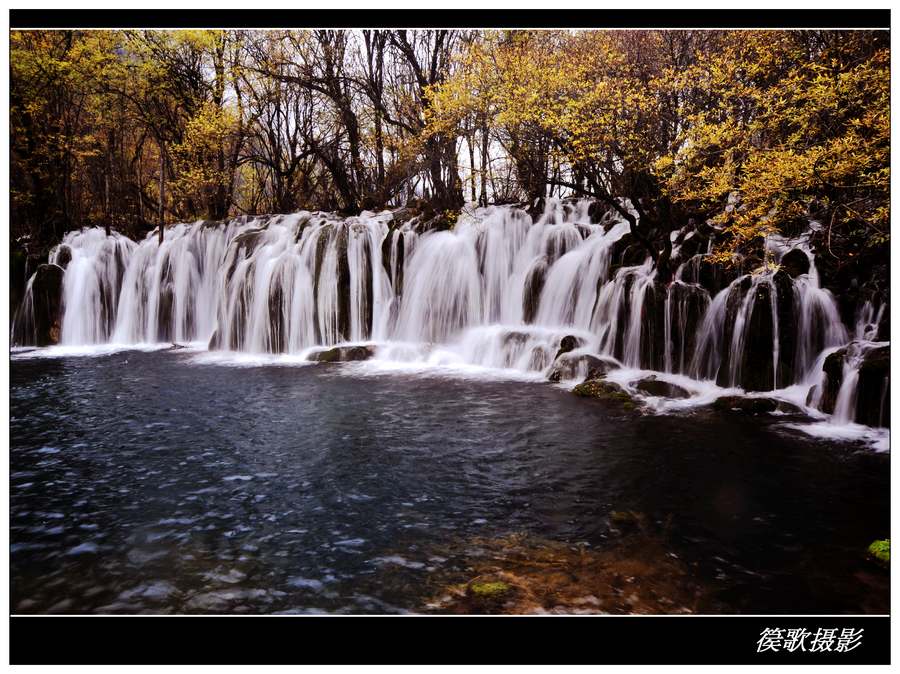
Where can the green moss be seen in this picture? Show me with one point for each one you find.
(881, 551)
(493, 588)
(604, 390)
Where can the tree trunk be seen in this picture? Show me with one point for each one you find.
(162, 193)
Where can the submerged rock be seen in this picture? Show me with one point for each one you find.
(636, 573)
(487, 588)
(657, 387)
(342, 354)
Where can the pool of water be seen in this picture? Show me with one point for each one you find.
(166, 482)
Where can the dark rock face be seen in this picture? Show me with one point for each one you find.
(566, 344)
(716, 277)
(687, 306)
(18, 277)
(795, 262)
(626, 252)
(747, 405)
(334, 235)
(534, 284)
(653, 327)
(568, 366)
(656, 387)
(46, 293)
(343, 354)
(756, 370)
(873, 388)
(834, 375)
(63, 255)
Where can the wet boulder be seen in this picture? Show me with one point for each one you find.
(333, 240)
(600, 389)
(745, 405)
(568, 343)
(343, 354)
(833, 376)
(715, 276)
(63, 255)
(578, 366)
(795, 262)
(687, 306)
(754, 367)
(652, 386)
(534, 284)
(46, 309)
(873, 388)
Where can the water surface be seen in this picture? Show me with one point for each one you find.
(158, 482)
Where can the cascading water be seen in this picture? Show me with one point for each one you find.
(498, 290)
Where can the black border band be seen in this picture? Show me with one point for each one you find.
(426, 640)
(445, 18)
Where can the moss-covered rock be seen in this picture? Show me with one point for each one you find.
(489, 589)
(880, 551)
(604, 390)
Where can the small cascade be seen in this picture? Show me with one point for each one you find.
(95, 265)
(169, 292)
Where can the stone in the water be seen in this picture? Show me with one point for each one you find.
(342, 354)
(663, 389)
(46, 292)
(572, 366)
(873, 388)
(604, 390)
(566, 344)
(748, 405)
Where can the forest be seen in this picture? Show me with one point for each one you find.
(752, 132)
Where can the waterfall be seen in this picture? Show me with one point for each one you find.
(94, 268)
(497, 289)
